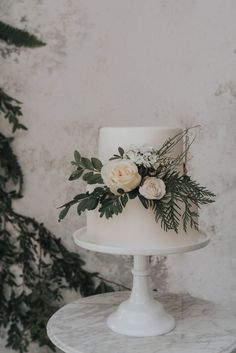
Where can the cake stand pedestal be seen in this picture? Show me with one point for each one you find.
(141, 315)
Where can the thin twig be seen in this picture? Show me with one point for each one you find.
(113, 282)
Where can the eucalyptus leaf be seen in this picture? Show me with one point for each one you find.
(86, 163)
(76, 174)
(77, 157)
(63, 213)
(88, 176)
(121, 151)
(97, 164)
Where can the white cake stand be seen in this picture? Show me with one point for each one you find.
(141, 315)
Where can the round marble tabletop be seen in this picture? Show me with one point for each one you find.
(202, 327)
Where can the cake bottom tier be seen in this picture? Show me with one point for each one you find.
(136, 227)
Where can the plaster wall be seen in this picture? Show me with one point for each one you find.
(129, 63)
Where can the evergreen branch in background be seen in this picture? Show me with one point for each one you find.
(11, 176)
(29, 298)
(47, 269)
(35, 267)
(18, 37)
(11, 110)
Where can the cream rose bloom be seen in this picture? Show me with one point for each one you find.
(120, 174)
(153, 188)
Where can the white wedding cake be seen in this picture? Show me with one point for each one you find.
(136, 226)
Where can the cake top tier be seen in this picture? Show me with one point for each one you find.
(110, 138)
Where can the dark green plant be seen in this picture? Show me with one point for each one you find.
(35, 267)
(11, 110)
(18, 37)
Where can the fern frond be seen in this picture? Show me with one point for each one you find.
(182, 189)
(190, 216)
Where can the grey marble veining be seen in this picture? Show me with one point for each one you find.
(202, 327)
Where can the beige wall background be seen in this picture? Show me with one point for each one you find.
(129, 63)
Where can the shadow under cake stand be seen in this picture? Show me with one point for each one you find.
(140, 315)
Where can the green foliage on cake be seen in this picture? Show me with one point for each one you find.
(151, 175)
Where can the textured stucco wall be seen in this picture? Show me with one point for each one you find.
(121, 63)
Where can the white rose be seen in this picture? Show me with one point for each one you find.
(120, 174)
(153, 188)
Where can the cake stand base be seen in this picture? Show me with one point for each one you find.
(141, 315)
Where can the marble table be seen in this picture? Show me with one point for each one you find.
(202, 327)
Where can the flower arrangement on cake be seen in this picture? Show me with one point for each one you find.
(144, 172)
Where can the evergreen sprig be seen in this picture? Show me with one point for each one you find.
(11, 110)
(18, 37)
(180, 190)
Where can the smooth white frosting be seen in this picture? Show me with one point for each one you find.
(135, 225)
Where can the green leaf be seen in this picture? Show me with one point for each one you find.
(77, 157)
(144, 201)
(97, 164)
(63, 213)
(18, 37)
(92, 203)
(97, 179)
(124, 199)
(132, 194)
(92, 178)
(121, 151)
(89, 203)
(81, 196)
(86, 163)
(82, 206)
(88, 176)
(115, 156)
(76, 174)
(112, 204)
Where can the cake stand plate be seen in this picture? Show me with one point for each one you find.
(141, 315)
(81, 239)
